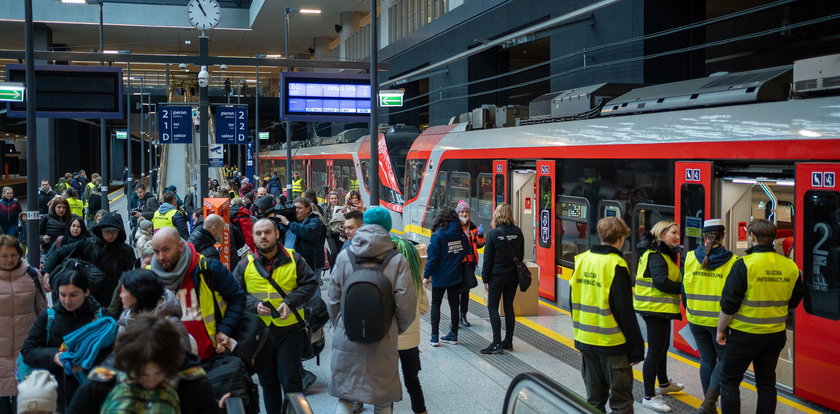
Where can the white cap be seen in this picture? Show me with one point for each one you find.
(713, 225)
(38, 392)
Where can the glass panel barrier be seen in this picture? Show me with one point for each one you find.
(534, 393)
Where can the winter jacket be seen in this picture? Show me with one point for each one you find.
(502, 243)
(411, 337)
(447, 249)
(311, 234)
(245, 189)
(43, 199)
(112, 258)
(204, 243)
(274, 188)
(657, 269)
(9, 211)
(178, 220)
(148, 205)
(368, 372)
(142, 241)
(21, 301)
(94, 203)
(39, 353)
(476, 242)
(66, 240)
(53, 226)
(167, 307)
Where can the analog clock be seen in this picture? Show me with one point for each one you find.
(203, 14)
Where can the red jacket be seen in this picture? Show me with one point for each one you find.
(476, 241)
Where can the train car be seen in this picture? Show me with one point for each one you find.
(775, 160)
(338, 163)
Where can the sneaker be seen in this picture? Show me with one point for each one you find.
(672, 386)
(464, 322)
(450, 338)
(434, 341)
(656, 404)
(507, 345)
(494, 348)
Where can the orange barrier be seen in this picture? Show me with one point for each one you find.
(221, 206)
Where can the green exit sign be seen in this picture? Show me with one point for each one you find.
(11, 92)
(122, 134)
(391, 97)
(263, 135)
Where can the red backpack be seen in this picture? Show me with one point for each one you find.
(246, 226)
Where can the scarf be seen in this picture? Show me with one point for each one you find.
(172, 280)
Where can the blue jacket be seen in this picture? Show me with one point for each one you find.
(310, 236)
(447, 249)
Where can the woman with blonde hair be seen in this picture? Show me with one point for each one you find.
(657, 300)
(503, 246)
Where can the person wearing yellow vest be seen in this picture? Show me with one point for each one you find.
(202, 285)
(297, 185)
(657, 300)
(760, 292)
(168, 215)
(706, 269)
(282, 311)
(77, 207)
(607, 333)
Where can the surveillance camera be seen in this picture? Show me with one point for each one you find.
(183, 66)
(203, 77)
(223, 67)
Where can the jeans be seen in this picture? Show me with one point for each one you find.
(283, 374)
(346, 407)
(452, 295)
(410, 363)
(608, 377)
(656, 360)
(711, 356)
(764, 357)
(496, 292)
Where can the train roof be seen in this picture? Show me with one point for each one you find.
(787, 120)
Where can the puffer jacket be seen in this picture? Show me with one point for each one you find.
(9, 211)
(369, 372)
(447, 249)
(204, 242)
(20, 304)
(53, 226)
(142, 240)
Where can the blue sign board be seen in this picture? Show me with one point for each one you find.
(249, 162)
(232, 125)
(324, 97)
(175, 124)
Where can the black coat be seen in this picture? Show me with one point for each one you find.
(148, 205)
(112, 258)
(51, 225)
(310, 236)
(501, 244)
(43, 199)
(204, 243)
(39, 353)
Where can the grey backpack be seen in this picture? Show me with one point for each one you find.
(367, 303)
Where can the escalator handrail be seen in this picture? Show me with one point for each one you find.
(296, 403)
(539, 382)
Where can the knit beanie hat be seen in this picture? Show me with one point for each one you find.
(378, 215)
(37, 393)
(144, 224)
(462, 207)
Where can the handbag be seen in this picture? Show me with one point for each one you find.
(468, 280)
(523, 275)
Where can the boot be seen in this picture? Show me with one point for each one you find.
(709, 405)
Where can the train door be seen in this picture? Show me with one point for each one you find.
(522, 203)
(817, 251)
(307, 174)
(500, 182)
(692, 205)
(330, 178)
(545, 257)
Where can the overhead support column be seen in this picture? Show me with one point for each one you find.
(32, 234)
(103, 140)
(45, 158)
(373, 176)
(350, 22)
(321, 46)
(203, 130)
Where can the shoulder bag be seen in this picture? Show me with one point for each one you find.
(308, 350)
(522, 273)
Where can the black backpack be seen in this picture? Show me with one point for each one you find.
(99, 289)
(367, 304)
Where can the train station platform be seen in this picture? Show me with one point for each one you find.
(459, 379)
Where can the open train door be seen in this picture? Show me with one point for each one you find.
(500, 182)
(692, 204)
(817, 252)
(546, 176)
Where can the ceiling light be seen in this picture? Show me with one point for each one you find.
(274, 56)
(788, 183)
(74, 1)
(310, 11)
(744, 180)
(808, 133)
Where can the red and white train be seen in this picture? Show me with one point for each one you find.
(777, 160)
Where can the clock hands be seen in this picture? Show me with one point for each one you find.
(202, 8)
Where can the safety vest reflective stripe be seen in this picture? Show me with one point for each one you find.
(76, 206)
(592, 318)
(770, 281)
(161, 220)
(260, 289)
(354, 184)
(208, 301)
(703, 288)
(297, 185)
(648, 298)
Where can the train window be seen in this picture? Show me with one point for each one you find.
(459, 188)
(345, 177)
(414, 177)
(366, 173)
(437, 201)
(484, 189)
(821, 262)
(643, 217)
(693, 204)
(319, 178)
(572, 215)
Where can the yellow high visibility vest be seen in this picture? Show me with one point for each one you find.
(76, 206)
(160, 220)
(703, 288)
(592, 318)
(770, 281)
(651, 299)
(259, 288)
(354, 184)
(297, 186)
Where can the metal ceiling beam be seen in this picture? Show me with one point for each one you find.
(193, 60)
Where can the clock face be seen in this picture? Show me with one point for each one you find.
(203, 14)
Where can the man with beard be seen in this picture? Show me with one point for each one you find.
(277, 267)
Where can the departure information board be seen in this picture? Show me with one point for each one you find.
(325, 97)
